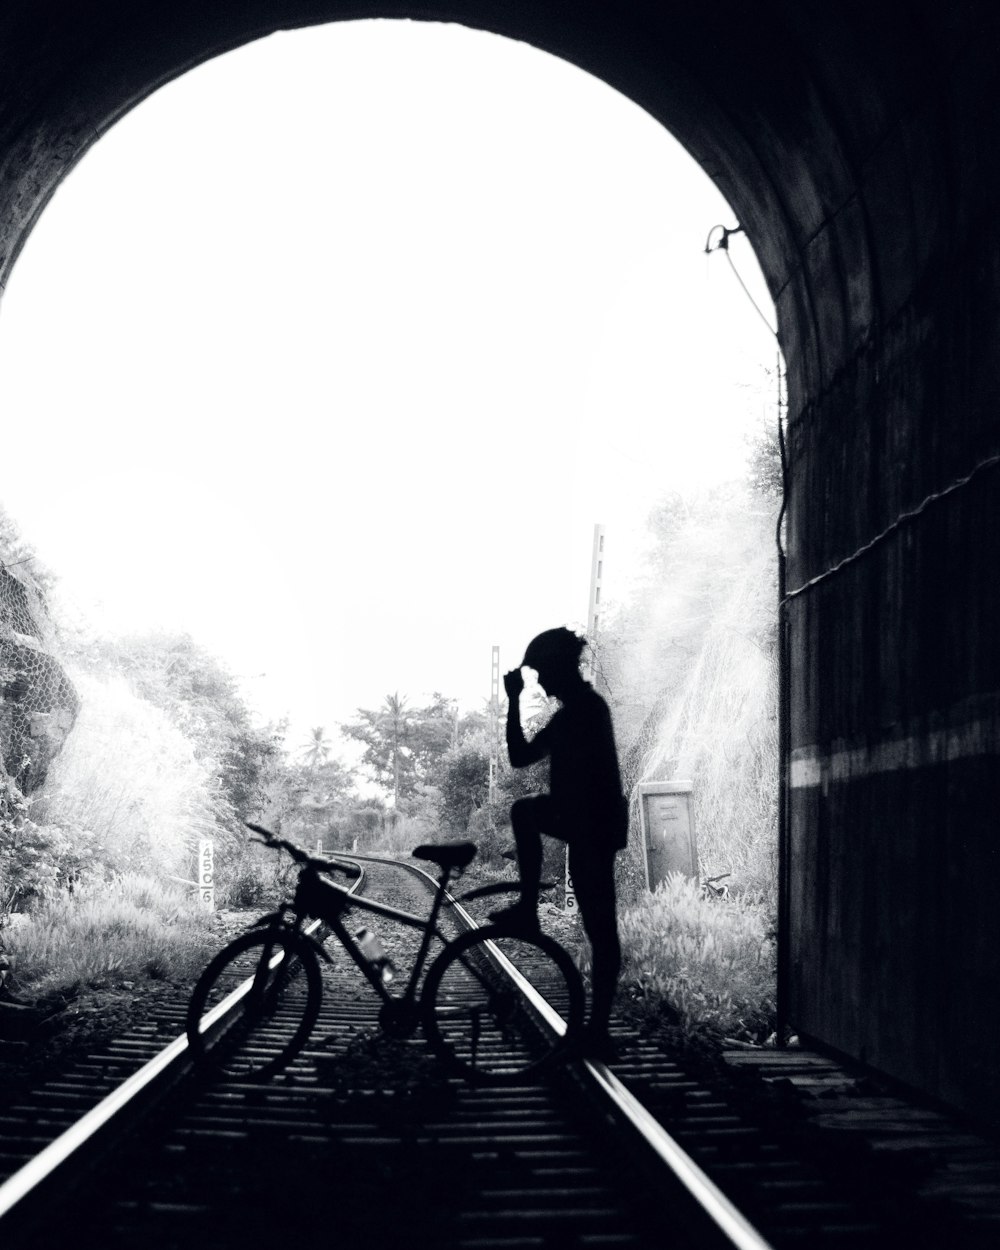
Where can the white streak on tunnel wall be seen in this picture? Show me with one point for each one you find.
(813, 766)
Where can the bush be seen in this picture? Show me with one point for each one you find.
(248, 885)
(711, 960)
(464, 784)
(131, 928)
(256, 875)
(366, 825)
(489, 827)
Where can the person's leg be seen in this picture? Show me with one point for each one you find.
(593, 874)
(529, 818)
(526, 821)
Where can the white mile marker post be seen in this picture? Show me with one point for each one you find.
(206, 873)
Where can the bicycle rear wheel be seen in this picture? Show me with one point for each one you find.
(254, 1006)
(481, 1005)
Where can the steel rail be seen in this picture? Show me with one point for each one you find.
(157, 1075)
(723, 1214)
(171, 1063)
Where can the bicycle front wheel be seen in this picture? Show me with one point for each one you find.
(499, 1007)
(254, 1006)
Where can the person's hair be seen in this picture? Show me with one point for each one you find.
(559, 646)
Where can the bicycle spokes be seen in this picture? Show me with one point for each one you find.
(487, 1022)
(254, 1006)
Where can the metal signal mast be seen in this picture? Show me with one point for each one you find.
(494, 724)
(594, 604)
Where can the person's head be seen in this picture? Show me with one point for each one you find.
(555, 657)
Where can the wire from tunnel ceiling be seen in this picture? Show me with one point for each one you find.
(722, 245)
(783, 456)
(991, 462)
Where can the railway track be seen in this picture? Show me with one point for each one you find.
(367, 1136)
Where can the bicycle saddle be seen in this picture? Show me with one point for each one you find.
(447, 854)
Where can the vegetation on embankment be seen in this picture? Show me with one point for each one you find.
(126, 931)
(711, 960)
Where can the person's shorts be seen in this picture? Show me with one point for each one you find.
(546, 816)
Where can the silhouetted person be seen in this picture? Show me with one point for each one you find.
(584, 808)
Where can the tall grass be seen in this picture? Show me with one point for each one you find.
(130, 929)
(711, 960)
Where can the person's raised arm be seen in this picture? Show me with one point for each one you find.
(521, 751)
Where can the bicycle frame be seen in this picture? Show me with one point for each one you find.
(336, 901)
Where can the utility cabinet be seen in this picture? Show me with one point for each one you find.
(667, 826)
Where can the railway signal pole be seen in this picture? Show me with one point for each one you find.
(594, 603)
(494, 725)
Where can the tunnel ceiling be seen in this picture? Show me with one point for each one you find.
(791, 108)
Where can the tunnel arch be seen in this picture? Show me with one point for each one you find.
(857, 146)
(781, 179)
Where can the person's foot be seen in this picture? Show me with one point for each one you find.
(597, 1043)
(518, 919)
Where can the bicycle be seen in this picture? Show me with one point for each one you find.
(256, 1003)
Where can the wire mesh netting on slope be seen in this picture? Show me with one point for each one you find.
(38, 702)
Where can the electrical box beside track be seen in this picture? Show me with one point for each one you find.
(668, 839)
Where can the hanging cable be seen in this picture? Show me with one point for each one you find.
(783, 455)
(723, 246)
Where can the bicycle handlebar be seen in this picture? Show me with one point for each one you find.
(302, 856)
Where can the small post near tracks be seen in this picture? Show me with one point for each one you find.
(571, 907)
(206, 873)
(204, 885)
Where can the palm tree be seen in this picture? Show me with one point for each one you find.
(393, 716)
(316, 752)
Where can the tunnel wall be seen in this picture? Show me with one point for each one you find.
(857, 145)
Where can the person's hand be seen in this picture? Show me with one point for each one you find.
(513, 683)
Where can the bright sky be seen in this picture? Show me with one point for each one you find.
(333, 351)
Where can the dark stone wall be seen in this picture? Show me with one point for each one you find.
(895, 667)
(857, 145)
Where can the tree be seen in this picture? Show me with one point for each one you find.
(309, 799)
(404, 745)
(463, 771)
(464, 782)
(317, 750)
(434, 728)
(764, 469)
(384, 733)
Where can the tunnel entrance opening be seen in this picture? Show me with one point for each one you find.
(296, 442)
